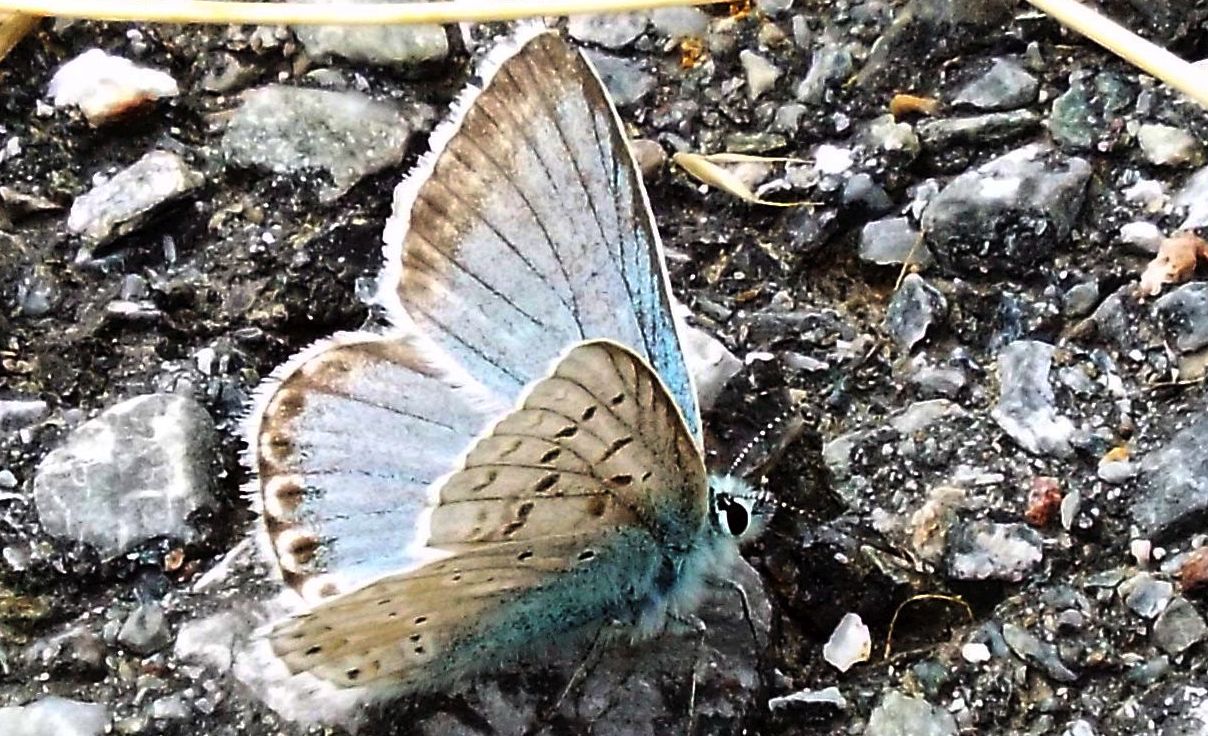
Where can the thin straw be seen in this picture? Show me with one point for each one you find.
(13, 28)
(339, 13)
(1114, 37)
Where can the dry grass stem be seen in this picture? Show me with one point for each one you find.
(325, 14)
(1143, 54)
(13, 28)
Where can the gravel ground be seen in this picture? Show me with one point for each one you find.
(994, 468)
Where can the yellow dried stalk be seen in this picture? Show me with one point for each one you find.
(338, 13)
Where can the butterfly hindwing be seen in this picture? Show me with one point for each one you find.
(345, 447)
(528, 229)
(562, 516)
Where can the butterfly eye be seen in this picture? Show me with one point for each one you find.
(733, 515)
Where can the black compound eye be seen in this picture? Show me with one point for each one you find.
(737, 517)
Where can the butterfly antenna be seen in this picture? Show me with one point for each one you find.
(774, 424)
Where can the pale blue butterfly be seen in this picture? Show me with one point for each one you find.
(578, 496)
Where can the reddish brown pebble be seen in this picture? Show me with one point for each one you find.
(174, 559)
(902, 105)
(1044, 499)
(1194, 573)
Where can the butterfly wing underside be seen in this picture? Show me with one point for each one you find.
(528, 229)
(561, 518)
(345, 446)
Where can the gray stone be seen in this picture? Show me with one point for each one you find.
(1144, 237)
(1117, 471)
(1025, 407)
(863, 191)
(914, 309)
(383, 44)
(211, 641)
(827, 698)
(1169, 146)
(291, 129)
(831, 65)
(892, 241)
(1080, 300)
(135, 472)
(1072, 121)
(922, 414)
(611, 30)
(1193, 197)
(680, 22)
(145, 630)
(1179, 627)
(886, 134)
(901, 715)
(1030, 648)
(21, 413)
(986, 550)
(626, 81)
(1146, 595)
(76, 652)
(650, 155)
(1184, 313)
(54, 716)
(1008, 214)
(124, 202)
(938, 380)
(1174, 483)
(169, 708)
(992, 127)
(1005, 86)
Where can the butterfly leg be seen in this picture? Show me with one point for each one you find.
(746, 614)
(701, 630)
(594, 652)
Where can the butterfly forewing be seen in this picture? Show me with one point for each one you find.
(533, 231)
(561, 518)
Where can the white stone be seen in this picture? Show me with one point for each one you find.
(975, 652)
(849, 644)
(761, 73)
(54, 716)
(104, 86)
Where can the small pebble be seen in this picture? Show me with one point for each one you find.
(1146, 595)
(849, 644)
(975, 652)
(106, 87)
(1169, 146)
(761, 73)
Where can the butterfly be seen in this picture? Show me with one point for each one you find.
(519, 460)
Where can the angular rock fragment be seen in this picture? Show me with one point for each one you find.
(123, 203)
(1026, 408)
(105, 87)
(1174, 483)
(136, 471)
(385, 44)
(292, 129)
(985, 550)
(1008, 214)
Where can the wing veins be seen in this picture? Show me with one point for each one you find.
(320, 388)
(478, 214)
(574, 306)
(570, 156)
(471, 348)
(495, 292)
